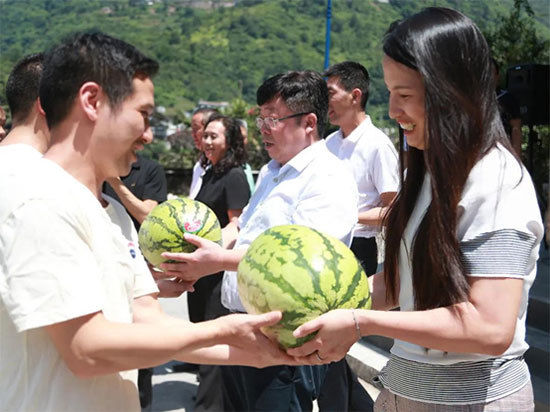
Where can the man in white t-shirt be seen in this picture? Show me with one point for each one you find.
(75, 311)
(198, 120)
(303, 184)
(367, 150)
(29, 136)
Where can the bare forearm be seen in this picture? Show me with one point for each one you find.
(99, 347)
(138, 208)
(372, 217)
(459, 328)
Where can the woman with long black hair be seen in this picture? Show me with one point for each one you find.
(462, 235)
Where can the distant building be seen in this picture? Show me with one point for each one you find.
(213, 105)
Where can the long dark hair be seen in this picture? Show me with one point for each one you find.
(236, 152)
(462, 124)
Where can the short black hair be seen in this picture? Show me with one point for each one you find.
(351, 75)
(92, 56)
(302, 91)
(22, 85)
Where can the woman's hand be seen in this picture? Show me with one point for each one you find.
(336, 333)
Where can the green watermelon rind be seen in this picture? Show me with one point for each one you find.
(157, 236)
(264, 265)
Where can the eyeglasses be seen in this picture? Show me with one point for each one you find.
(271, 122)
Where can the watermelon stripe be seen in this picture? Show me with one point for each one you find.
(161, 222)
(281, 283)
(348, 295)
(303, 263)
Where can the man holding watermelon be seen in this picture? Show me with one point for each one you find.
(303, 184)
(77, 318)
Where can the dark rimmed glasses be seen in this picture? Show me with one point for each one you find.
(271, 122)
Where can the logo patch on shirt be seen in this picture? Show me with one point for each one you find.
(132, 249)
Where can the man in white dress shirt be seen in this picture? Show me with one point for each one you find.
(367, 150)
(303, 184)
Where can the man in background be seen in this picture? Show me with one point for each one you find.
(29, 136)
(366, 150)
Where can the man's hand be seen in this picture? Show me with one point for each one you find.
(209, 258)
(243, 335)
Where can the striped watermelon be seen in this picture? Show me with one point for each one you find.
(163, 229)
(303, 273)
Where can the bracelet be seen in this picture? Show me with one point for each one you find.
(356, 324)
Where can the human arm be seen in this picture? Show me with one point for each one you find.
(139, 209)
(485, 323)
(91, 345)
(375, 216)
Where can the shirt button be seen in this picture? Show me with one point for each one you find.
(276, 180)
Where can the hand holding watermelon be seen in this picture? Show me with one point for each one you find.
(248, 345)
(335, 332)
(164, 228)
(206, 259)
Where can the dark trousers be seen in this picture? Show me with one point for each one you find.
(366, 252)
(276, 388)
(145, 387)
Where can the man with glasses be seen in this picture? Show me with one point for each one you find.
(303, 184)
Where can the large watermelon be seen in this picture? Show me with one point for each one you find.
(163, 229)
(303, 273)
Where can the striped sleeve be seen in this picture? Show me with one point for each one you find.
(499, 222)
(503, 252)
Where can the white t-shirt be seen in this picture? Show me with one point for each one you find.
(313, 189)
(499, 231)
(196, 180)
(60, 258)
(375, 165)
(17, 156)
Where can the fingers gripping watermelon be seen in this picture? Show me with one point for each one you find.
(163, 229)
(303, 273)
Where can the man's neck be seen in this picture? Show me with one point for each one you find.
(71, 151)
(28, 134)
(354, 120)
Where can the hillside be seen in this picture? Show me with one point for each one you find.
(222, 50)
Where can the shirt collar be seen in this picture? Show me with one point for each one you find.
(356, 134)
(298, 162)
